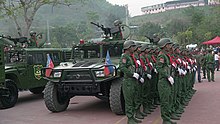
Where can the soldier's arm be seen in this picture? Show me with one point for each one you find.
(123, 66)
(162, 67)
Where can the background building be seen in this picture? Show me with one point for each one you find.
(171, 5)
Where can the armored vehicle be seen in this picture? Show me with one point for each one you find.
(21, 69)
(93, 72)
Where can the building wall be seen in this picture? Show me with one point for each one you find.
(213, 2)
(171, 6)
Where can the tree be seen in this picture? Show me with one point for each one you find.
(22, 12)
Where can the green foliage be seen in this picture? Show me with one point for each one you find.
(189, 25)
(148, 29)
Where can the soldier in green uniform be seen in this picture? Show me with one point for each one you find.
(127, 67)
(199, 63)
(165, 80)
(210, 65)
(138, 86)
(33, 39)
(203, 64)
(116, 31)
(147, 68)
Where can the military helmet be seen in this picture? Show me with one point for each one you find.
(117, 22)
(128, 43)
(32, 33)
(164, 41)
(137, 45)
(144, 47)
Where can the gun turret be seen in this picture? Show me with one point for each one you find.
(107, 31)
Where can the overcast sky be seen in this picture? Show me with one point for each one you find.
(134, 6)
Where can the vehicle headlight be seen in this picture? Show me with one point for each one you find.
(99, 74)
(57, 74)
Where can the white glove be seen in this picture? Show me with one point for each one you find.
(136, 76)
(179, 60)
(151, 64)
(155, 70)
(195, 66)
(182, 72)
(138, 62)
(170, 79)
(188, 67)
(149, 76)
(179, 70)
(174, 65)
(185, 72)
(142, 80)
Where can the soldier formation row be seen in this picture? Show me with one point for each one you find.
(156, 74)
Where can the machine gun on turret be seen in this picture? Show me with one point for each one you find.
(107, 31)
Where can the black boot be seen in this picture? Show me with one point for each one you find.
(137, 120)
(138, 114)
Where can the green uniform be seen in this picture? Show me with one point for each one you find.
(126, 66)
(32, 43)
(210, 66)
(138, 87)
(146, 86)
(164, 86)
(203, 63)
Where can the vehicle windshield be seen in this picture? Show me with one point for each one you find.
(95, 51)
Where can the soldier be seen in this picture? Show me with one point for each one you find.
(210, 65)
(127, 67)
(199, 63)
(165, 80)
(33, 40)
(116, 31)
(203, 64)
(147, 68)
(138, 86)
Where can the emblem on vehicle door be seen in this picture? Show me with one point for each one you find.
(37, 71)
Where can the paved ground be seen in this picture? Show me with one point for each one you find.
(30, 109)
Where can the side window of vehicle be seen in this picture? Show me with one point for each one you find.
(38, 58)
(55, 57)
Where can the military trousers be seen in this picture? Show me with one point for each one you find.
(164, 89)
(128, 88)
(210, 74)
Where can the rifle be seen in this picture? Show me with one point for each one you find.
(107, 31)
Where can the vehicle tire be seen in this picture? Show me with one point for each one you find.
(53, 99)
(116, 98)
(11, 100)
(37, 90)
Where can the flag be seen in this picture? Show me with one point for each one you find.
(49, 65)
(108, 69)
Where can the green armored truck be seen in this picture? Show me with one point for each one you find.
(93, 72)
(21, 69)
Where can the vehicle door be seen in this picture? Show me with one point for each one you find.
(34, 70)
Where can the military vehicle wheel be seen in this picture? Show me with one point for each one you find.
(10, 101)
(116, 98)
(37, 90)
(54, 100)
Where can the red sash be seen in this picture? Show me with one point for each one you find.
(148, 63)
(142, 63)
(153, 58)
(135, 60)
